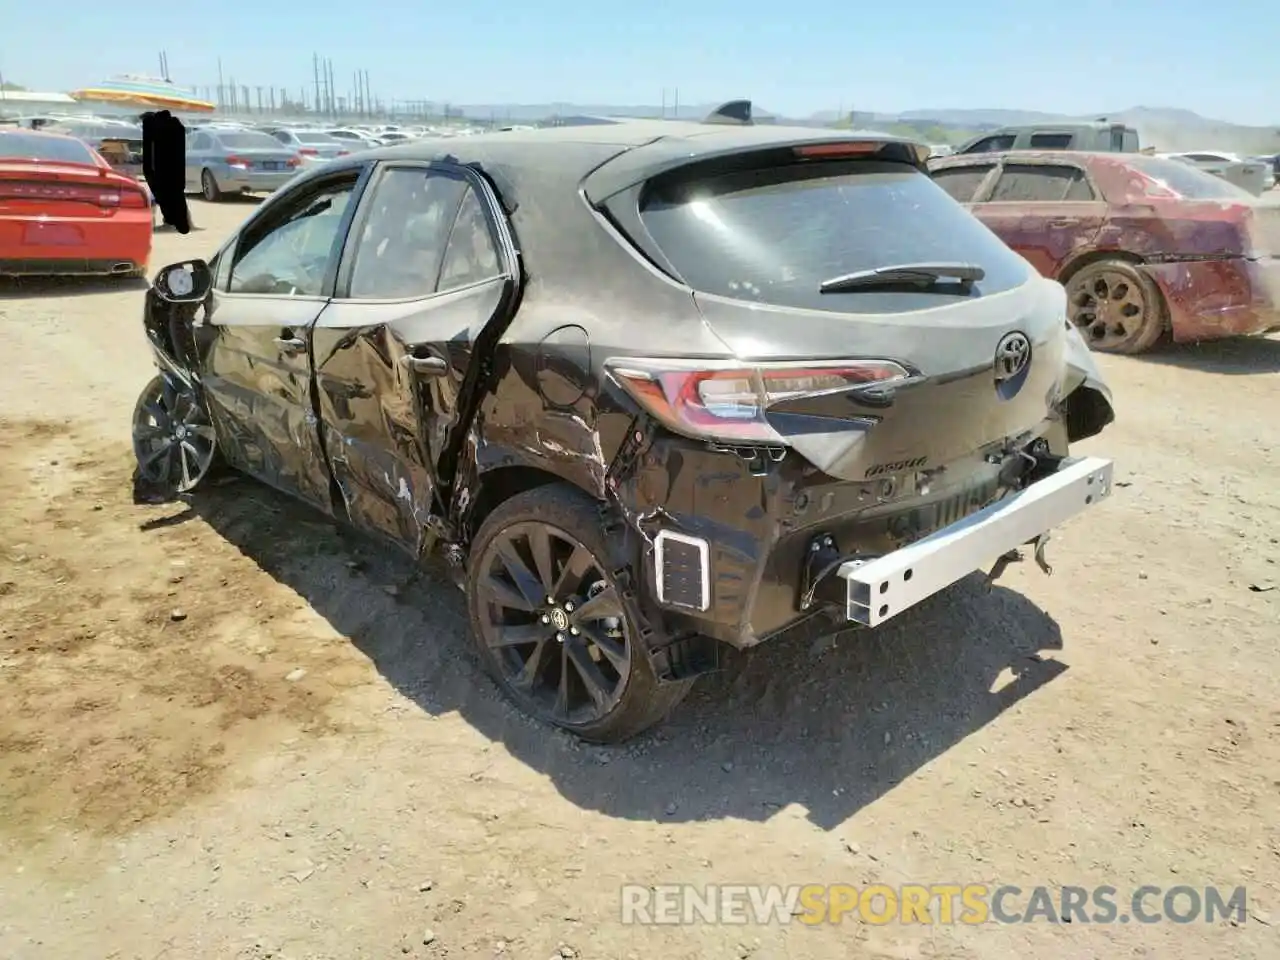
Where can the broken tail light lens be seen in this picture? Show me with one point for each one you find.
(240, 163)
(730, 401)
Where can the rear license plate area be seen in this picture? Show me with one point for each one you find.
(52, 235)
(270, 165)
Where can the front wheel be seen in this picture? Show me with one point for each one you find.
(173, 437)
(552, 626)
(1116, 307)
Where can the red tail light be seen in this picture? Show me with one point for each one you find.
(341, 153)
(833, 151)
(293, 162)
(243, 162)
(727, 401)
(62, 192)
(309, 152)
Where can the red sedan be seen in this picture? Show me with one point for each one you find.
(1145, 246)
(63, 210)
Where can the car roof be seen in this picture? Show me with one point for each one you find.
(24, 132)
(649, 146)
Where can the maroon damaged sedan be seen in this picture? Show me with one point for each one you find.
(1146, 246)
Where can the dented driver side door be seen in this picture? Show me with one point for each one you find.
(271, 285)
(421, 276)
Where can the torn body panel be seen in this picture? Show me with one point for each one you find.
(760, 524)
(256, 375)
(388, 378)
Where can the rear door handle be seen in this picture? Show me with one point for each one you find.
(290, 344)
(427, 366)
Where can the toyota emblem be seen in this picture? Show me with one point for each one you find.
(1013, 354)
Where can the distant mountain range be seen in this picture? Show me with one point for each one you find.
(1166, 128)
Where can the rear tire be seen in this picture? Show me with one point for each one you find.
(209, 188)
(537, 565)
(1116, 307)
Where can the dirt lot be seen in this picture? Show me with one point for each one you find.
(231, 730)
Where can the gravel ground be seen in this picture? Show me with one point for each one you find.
(232, 730)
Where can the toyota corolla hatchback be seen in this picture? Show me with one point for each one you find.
(653, 388)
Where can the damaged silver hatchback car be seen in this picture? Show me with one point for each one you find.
(651, 387)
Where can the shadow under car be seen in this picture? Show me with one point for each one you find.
(831, 723)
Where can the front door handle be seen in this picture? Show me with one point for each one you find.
(1064, 223)
(427, 366)
(291, 344)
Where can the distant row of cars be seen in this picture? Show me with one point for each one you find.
(231, 158)
(74, 199)
(1145, 245)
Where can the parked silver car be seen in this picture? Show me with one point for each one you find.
(237, 161)
(313, 146)
(1255, 176)
(357, 139)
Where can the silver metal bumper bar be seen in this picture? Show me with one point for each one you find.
(882, 588)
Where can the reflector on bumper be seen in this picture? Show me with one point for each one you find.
(882, 588)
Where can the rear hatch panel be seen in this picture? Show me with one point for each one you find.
(756, 241)
(951, 408)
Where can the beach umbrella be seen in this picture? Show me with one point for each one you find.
(144, 92)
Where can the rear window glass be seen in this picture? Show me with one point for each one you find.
(774, 235)
(962, 183)
(33, 146)
(1185, 180)
(315, 138)
(248, 141)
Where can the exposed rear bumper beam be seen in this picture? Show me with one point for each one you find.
(879, 589)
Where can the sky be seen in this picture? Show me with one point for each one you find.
(1086, 56)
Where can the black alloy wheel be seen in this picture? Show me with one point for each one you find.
(553, 627)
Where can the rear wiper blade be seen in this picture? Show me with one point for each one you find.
(922, 273)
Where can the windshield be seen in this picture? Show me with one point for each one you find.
(1184, 180)
(35, 146)
(248, 141)
(774, 235)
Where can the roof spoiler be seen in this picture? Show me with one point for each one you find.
(737, 112)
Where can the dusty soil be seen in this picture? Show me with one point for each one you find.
(231, 730)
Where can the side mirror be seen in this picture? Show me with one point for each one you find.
(188, 282)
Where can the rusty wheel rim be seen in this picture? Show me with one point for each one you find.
(1108, 308)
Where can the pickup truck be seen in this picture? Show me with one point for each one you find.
(1098, 136)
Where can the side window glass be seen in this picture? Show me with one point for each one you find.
(962, 182)
(471, 256)
(994, 144)
(402, 244)
(1078, 190)
(289, 254)
(1022, 183)
(1051, 141)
